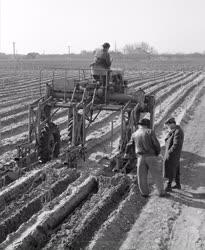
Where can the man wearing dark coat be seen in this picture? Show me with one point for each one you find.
(173, 147)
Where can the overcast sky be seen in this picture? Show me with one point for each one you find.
(50, 26)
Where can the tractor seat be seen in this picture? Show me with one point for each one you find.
(64, 85)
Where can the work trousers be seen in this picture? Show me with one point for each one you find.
(153, 164)
(177, 177)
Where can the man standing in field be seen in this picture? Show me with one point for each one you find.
(173, 147)
(147, 149)
(102, 62)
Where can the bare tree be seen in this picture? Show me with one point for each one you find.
(32, 55)
(139, 48)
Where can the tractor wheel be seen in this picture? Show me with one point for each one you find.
(70, 130)
(49, 143)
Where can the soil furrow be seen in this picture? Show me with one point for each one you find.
(54, 215)
(24, 213)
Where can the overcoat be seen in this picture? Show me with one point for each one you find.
(173, 147)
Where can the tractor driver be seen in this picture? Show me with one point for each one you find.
(102, 63)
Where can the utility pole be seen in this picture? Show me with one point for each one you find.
(14, 50)
(69, 59)
(115, 47)
(0, 25)
(68, 51)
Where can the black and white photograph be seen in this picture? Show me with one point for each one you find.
(102, 125)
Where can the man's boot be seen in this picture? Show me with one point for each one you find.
(177, 180)
(168, 188)
(177, 186)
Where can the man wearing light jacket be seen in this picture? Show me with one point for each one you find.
(147, 149)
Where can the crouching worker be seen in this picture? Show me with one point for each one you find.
(147, 149)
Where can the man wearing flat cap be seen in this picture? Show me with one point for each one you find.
(147, 149)
(173, 147)
(102, 62)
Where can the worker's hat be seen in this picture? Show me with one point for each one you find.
(106, 45)
(144, 122)
(170, 121)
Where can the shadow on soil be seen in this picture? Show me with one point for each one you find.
(192, 179)
(187, 199)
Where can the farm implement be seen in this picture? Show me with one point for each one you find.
(83, 97)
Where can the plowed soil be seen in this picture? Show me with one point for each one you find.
(52, 207)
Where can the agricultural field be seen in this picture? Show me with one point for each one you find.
(50, 206)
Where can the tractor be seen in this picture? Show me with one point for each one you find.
(83, 96)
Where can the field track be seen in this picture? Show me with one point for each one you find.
(52, 207)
